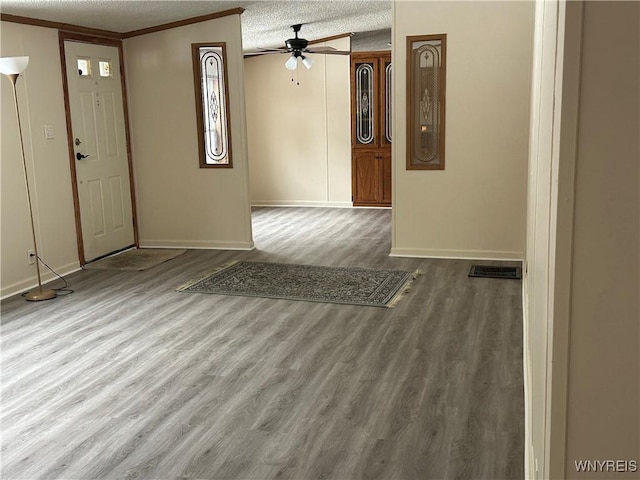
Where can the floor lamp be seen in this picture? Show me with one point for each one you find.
(12, 67)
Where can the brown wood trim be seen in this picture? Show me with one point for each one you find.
(409, 133)
(197, 85)
(68, 27)
(182, 23)
(328, 39)
(371, 53)
(82, 38)
(377, 205)
(76, 37)
(443, 99)
(96, 32)
(70, 146)
(127, 132)
(408, 104)
(384, 58)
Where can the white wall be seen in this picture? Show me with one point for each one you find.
(299, 135)
(603, 407)
(583, 250)
(41, 103)
(476, 206)
(180, 204)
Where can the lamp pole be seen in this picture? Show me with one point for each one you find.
(12, 68)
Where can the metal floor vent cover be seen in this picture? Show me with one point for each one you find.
(485, 271)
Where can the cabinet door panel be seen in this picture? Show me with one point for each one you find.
(385, 163)
(366, 177)
(364, 103)
(386, 95)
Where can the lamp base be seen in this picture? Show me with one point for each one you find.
(39, 294)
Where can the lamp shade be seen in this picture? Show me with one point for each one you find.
(307, 62)
(13, 65)
(292, 63)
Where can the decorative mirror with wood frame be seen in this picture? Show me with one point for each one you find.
(426, 75)
(212, 104)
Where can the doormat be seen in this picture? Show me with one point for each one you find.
(137, 259)
(485, 271)
(311, 283)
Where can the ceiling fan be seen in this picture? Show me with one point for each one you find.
(297, 47)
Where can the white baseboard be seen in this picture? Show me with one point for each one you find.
(299, 203)
(529, 470)
(32, 282)
(197, 245)
(457, 254)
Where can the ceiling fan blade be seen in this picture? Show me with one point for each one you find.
(328, 52)
(320, 49)
(262, 51)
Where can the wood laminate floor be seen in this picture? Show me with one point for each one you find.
(128, 379)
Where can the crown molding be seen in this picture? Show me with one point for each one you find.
(69, 27)
(182, 23)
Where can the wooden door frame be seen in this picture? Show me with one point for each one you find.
(110, 42)
(382, 99)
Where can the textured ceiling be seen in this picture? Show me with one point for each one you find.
(264, 23)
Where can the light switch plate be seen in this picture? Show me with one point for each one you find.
(48, 132)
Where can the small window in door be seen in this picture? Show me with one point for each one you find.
(105, 68)
(84, 67)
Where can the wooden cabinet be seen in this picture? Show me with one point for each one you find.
(371, 128)
(385, 166)
(372, 177)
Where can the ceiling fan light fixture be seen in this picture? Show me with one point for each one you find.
(291, 63)
(307, 62)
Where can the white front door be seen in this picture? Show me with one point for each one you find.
(100, 143)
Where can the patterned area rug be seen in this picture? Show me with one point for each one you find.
(138, 259)
(346, 285)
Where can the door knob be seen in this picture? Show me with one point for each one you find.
(80, 156)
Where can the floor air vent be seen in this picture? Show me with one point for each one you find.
(485, 271)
